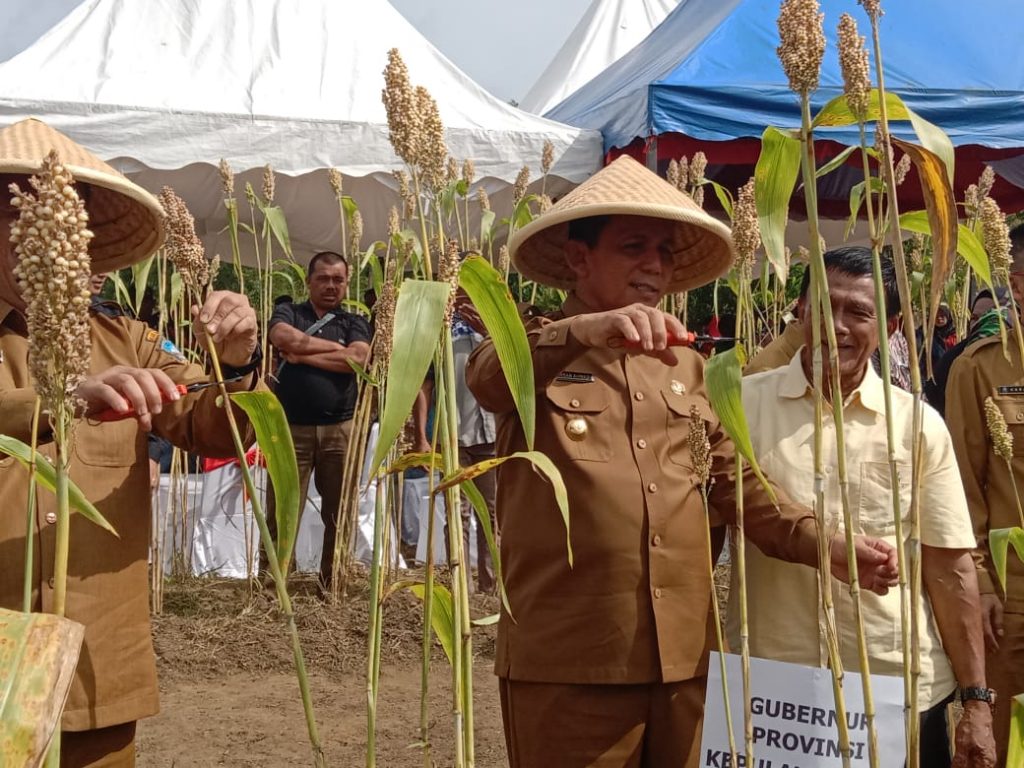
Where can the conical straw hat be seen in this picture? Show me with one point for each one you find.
(703, 245)
(126, 221)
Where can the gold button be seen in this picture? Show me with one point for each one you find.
(677, 387)
(51, 518)
(641, 443)
(1020, 416)
(657, 592)
(552, 335)
(657, 540)
(576, 428)
(639, 395)
(50, 582)
(574, 403)
(652, 487)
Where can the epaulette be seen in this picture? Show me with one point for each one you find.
(988, 341)
(110, 309)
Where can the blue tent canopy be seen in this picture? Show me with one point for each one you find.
(710, 71)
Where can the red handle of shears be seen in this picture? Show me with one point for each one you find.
(114, 415)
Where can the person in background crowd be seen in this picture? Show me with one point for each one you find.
(476, 432)
(605, 661)
(985, 370)
(132, 372)
(783, 609)
(984, 323)
(317, 387)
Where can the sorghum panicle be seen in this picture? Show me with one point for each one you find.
(227, 178)
(544, 203)
(355, 233)
(383, 338)
(698, 167)
(547, 157)
(183, 245)
(269, 184)
(468, 172)
(986, 182)
(802, 43)
(405, 192)
(484, 198)
(901, 170)
(334, 177)
(504, 261)
(394, 223)
(853, 61)
(521, 183)
(672, 175)
(684, 173)
(401, 107)
(746, 231)
(51, 240)
(996, 236)
(451, 171)
(448, 271)
(873, 8)
(700, 449)
(1002, 440)
(434, 150)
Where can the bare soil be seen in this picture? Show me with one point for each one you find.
(229, 695)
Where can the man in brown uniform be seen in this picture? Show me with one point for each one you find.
(115, 683)
(604, 663)
(983, 371)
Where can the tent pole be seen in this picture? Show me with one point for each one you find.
(652, 153)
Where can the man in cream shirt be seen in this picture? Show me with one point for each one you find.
(784, 602)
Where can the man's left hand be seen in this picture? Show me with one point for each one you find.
(230, 321)
(877, 568)
(975, 742)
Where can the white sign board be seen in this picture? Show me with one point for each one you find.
(794, 717)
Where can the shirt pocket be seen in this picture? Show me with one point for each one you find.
(874, 509)
(108, 443)
(579, 415)
(677, 424)
(1012, 408)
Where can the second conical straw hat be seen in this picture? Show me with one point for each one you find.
(703, 245)
(126, 220)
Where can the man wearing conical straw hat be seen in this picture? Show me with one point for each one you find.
(605, 662)
(134, 372)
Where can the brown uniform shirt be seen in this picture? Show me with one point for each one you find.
(983, 371)
(108, 583)
(636, 606)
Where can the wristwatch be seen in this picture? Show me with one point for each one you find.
(972, 693)
(231, 372)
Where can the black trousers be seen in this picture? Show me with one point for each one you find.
(934, 746)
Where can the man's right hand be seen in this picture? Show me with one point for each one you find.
(992, 620)
(122, 388)
(647, 327)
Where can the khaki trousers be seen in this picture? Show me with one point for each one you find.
(319, 449)
(603, 726)
(1005, 673)
(112, 747)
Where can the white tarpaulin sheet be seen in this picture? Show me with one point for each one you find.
(163, 89)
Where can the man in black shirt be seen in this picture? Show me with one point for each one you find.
(317, 387)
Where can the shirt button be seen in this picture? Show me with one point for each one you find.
(657, 540)
(652, 487)
(641, 443)
(574, 403)
(657, 592)
(639, 395)
(50, 582)
(1020, 416)
(552, 335)
(51, 518)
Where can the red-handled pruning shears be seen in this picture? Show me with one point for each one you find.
(110, 414)
(687, 340)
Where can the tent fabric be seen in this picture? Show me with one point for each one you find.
(710, 71)
(608, 29)
(166, 88)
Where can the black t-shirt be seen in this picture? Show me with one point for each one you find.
(312, 395)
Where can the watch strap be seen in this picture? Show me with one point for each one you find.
(974, 693)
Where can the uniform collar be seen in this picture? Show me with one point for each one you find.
(5, 310)
(869, 391)
(573, 305)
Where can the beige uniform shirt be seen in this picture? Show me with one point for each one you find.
(635, 608)
(783, 599)
(983, 371)
(108, 582)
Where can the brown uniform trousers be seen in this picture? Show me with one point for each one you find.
(634, 609)
(108, 582)
(983, 371)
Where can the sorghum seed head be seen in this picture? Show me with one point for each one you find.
(853, 61)
(227, 178)
(504, 261)
(334, 177)
(183, 245)
(402, 109)
(544, 203)
(448, 271)
(451, 171)
(746, 230)
(873, 8)
(901, 170)
(468, 171)
(269, 184)
(547, 157)
(698, 167)
(672, 175)
(394, 225)
(684, 173)
(434, 150)
(802, 43)
(1002, 440)
(996, 236)
(700, 448)
(355, 233)
(521, 183)
(484, 198)
(986, 182)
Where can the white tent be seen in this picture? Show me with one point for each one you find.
(163, 89)
(608, 30)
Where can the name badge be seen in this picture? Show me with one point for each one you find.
(575, 377)
(1016, 389)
